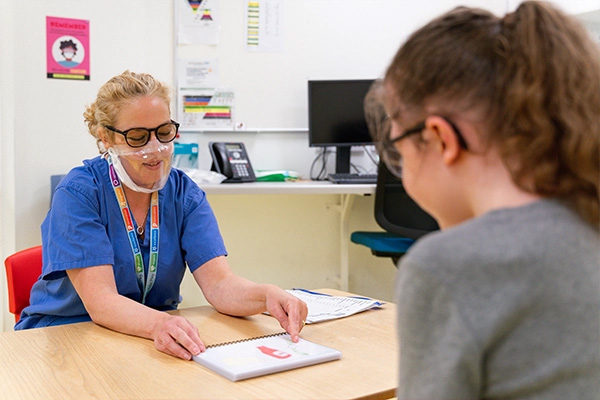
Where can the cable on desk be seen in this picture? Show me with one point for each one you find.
(322, 175)
(323, 157)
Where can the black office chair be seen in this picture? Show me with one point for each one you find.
(401, 218)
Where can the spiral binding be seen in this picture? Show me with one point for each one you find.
(246, 340)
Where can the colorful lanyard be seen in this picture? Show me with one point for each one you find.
(133, 241)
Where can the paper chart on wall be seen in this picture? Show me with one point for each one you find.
(264, 26)
(198, 21)
(206, 109)
(198, 73)
(202, 104)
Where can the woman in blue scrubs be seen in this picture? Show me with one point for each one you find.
(123, 226)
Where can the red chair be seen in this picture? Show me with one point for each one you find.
(22, 270)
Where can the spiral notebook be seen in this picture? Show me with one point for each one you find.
(263, 355)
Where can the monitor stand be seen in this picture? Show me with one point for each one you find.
(342, 159)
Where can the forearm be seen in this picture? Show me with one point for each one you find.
(124, 315)
(234, 295)
(97, 289)
(238, 296)
(171, 334)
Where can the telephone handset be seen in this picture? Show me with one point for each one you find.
(231, 160)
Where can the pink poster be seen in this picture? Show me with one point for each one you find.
(67, 48)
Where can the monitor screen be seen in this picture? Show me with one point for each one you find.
(335, 113)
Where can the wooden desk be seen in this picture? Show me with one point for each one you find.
(347, 192)
(84, 360)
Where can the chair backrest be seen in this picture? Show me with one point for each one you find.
(395, 211)
(54, 181)
(22, 271)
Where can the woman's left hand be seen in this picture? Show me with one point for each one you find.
(234, 295)
(289, 310)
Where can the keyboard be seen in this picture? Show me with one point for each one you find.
(351, 178)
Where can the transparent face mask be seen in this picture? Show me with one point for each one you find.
(144, 169)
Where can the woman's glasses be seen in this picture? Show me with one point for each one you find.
(139, 137)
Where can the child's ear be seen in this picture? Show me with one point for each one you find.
(449, 145)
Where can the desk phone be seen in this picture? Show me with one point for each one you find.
(231, 160)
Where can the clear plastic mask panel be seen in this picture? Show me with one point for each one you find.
(144, 169)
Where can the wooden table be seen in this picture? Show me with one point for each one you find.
(84, 360)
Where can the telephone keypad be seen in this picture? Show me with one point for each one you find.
(240, 170)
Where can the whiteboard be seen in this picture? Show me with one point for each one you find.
(322, 39)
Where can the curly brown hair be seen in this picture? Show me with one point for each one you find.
(532, 76)
(118, 91)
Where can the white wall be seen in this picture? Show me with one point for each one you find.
(324, 39)
(289, 240)
(42, 126)
(7, 204)
(569, 6)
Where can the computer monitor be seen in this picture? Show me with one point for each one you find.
(336, 117)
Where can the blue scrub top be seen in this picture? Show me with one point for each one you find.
(84, 228)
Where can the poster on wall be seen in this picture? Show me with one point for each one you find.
(198, 22)
(264, 26)
(206, 109)
(202, 104)
(67, 48)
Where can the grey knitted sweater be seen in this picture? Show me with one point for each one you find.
(506, 306)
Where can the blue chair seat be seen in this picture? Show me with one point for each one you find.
(382, 244)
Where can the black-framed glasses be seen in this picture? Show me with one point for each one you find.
(391, 156)
(139, 137)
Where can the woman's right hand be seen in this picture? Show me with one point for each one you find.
(177, 336)
(97, 289)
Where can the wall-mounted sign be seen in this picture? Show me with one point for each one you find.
(67, 48)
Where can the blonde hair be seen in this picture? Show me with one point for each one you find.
(533, 77)
(118, 91)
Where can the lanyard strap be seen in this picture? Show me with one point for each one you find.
(131, 234)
